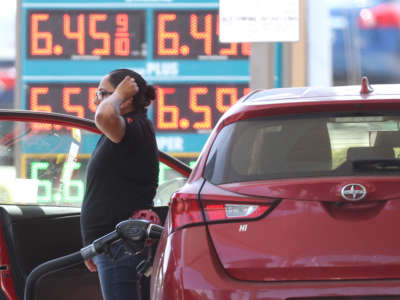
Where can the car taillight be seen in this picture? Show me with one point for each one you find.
(231, 211)
(185, 210)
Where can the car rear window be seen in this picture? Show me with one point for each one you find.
(305, 146)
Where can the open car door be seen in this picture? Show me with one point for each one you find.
(43, 160)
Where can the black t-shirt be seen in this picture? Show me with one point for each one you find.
(121, 178)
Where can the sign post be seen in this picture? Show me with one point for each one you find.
(259, 21)
(262, 23)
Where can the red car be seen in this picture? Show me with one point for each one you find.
(295, 196)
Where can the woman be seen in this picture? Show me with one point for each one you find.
(122, 175)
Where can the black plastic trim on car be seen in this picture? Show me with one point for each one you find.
(171, 161)
(3, 295)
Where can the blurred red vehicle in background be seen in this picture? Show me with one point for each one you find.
(7, 79)
(7, 83)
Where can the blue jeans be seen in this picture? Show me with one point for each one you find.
(118, 277)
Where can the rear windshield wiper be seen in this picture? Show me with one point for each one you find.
(376, 165)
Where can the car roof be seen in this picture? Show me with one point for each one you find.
(312, 99)
(321, 94)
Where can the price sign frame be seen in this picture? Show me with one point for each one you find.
(197, 63)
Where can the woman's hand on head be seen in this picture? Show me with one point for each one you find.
(127, 88)
(108, 117)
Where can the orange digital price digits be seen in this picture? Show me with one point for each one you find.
(193, 108)
(180, 33)
(219, 98)
(77, 110)
(165, 36)
(205, 110)
(205, 35)
(34, 101)
(103, 36)
(73, 100)
(86, 33)
(38, 36)
(165, 112)
(78, 35)
(122, 41)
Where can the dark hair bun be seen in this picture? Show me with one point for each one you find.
(146, 94)
(150, 93)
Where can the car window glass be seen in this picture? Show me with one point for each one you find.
(311, 146)
(168, 182)
(45, 164)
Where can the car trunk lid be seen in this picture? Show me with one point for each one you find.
(314, 233)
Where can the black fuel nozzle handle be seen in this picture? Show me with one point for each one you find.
(154, 231)
(137, 230)
(100, 245)
(131, 231)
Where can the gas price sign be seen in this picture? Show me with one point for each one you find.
(70, 98)
(60, 181)
(67, 47)
(201, 108)
(188, 35)
(44, 168)
(77, 34)
(179, 107)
